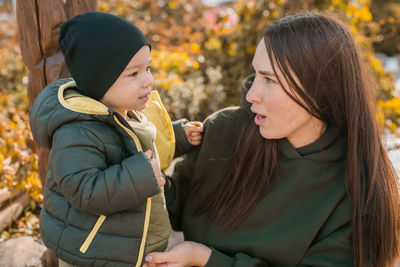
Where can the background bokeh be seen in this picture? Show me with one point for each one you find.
(201, 52)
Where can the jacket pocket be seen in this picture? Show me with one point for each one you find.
(92, 234)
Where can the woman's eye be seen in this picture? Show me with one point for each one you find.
(269, 81)
(148, 68)
(134, 74)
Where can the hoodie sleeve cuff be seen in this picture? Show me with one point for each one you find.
(182, 145)
(219, 259)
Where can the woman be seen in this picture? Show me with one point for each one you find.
(309, 182)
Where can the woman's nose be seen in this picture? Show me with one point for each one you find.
(252, 96)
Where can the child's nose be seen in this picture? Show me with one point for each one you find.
(149, 80)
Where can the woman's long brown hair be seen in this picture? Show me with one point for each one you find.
(320, 51)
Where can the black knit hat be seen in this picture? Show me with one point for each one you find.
(97, 47)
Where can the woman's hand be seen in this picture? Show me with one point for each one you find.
(183, 254)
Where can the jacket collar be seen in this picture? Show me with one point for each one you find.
(72, 99)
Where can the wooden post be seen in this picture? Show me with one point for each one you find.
(39, 23)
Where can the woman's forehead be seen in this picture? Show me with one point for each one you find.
(261, 60)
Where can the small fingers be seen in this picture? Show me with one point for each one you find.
(148, 153)
(195, 140)
(195, 134)
(194, 126)
(195, 143)
(161, 181)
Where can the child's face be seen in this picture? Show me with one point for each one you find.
(133, 87)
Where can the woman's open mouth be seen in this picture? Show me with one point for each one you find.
(259, 119)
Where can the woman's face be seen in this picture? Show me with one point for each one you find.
(277, 115)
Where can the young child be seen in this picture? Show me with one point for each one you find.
(103, 200)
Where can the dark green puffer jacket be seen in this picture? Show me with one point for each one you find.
(94, 169)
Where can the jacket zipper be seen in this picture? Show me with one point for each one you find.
(102, 218)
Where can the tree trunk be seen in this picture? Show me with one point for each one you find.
(39, 23)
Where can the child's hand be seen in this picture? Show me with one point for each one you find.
(193, 130)
(156, 169)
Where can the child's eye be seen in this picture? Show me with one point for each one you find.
(133, 74)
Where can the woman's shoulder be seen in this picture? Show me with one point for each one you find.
(227, 115)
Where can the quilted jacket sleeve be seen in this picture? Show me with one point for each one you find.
(89, 184)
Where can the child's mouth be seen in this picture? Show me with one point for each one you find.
(144, 98)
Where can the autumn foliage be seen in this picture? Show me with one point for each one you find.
(200, 55)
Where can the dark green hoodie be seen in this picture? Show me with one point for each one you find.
(305, 220)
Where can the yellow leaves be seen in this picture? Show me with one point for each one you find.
(196, 65)
(195, 47)
(164, 84)
(213, 44)
(392, 126)
(12, 68)
(226, 30)
(360, 38)
(104, 6)
(169, 82)
(232, 49)
(393, 103)
(18, 162)
(364, 14)
(172, 5)
(9, 141)
(28, 224)
(161, 74)
(20, 224)
(376, 64)
(179, 62)
(167, 63)
(392, 20)
(117, 7)
(388, 113)
(251, 49)
(380, 118)
(3, 149)
(342, 4)
(357, 11)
